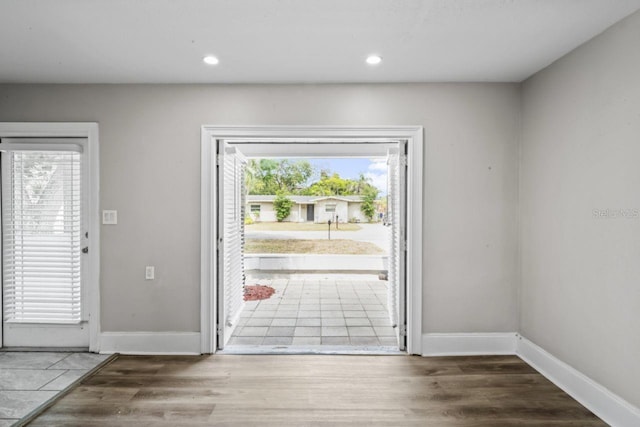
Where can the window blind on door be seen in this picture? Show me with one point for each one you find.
(393, 217)
(42, 220)
(233, 236)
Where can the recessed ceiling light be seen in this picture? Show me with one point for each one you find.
(210, 60)
(374, 59)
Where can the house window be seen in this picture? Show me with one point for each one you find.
(255, 209)
(330, 207)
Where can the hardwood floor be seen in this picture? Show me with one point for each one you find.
(494, 391)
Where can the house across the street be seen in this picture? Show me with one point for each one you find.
(308, 208)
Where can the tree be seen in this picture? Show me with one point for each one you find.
(333, 185)
(362, 183)
(368, 206)
(282, 204)
(268, 176)
(251, 180)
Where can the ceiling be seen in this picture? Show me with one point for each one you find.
(293, 41)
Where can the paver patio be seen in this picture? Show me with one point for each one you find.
(317, 310)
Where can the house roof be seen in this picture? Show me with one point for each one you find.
(269, 198)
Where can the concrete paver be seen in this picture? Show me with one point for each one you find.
(316, 310)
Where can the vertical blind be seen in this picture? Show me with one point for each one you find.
(233, 278)
(396, 216)
(393, 217)
(42, 220)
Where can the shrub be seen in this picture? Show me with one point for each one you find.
(282, 204)
(368, 207)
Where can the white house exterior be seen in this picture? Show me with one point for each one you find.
(308, 209)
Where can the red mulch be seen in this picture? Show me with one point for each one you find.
(256, 292)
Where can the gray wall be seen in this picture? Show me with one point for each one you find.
(580, 153)
(150, 172)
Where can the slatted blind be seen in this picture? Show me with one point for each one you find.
(397, 163)
(41, 214)
(393, 216)
(233, 237)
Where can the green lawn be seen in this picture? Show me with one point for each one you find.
(324, 247)
(299, 226)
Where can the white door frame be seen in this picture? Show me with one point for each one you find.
(208, 268)
(76, 130)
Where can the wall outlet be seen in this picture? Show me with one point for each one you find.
(149, 272)
(109, 217)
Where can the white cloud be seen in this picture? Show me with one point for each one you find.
(378, 180)
(378, 165)
(377, 174)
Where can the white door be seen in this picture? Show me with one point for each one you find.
(396, 207)
(231, 215)
(43, 236)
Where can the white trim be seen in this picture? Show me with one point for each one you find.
(471, 344)
(89, 131)
(415, 196)
(162, 343)
(208, 271)
(611, 408)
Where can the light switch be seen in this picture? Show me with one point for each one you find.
(149, 272)
(109, 217)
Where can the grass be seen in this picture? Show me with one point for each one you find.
(299, 226)
(299, 246)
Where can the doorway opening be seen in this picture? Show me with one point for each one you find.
(307, 299)
(321, 283)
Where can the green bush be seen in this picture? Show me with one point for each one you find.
(368, 207)
(282, 204)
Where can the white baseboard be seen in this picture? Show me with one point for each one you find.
(611, 408)
(472, 344)
(187, 343)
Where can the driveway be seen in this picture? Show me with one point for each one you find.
(377, 234)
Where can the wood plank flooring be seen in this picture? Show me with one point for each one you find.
(305, 390)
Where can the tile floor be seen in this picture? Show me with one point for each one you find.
(28, 379)
(317, 310)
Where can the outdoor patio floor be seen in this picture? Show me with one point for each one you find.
(314, 310)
